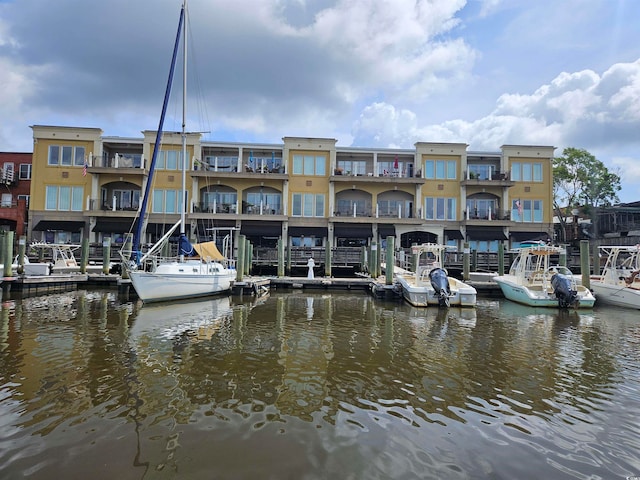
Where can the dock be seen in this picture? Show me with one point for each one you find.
(249, 286)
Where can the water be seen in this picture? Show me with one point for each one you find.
(315, 386)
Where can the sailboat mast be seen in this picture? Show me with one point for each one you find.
(184, 122)
(137, 239)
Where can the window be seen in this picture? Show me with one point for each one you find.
(169, 160)
(440, 208)
(484, 245)
(537, 172)
(224, 163)
(25, 171)
(308, 205)
(166, 201)
(127, 199)
(481, 172)
(26, 198)
(440, 169)
(353, 167)
(395, 208)
(482, 208)
(64, 198)
(54, 155)
(526, 172)
(7, 200)
(346, 207)
(315, 165)
(527, 211)
(270, 202)
(66, 156)
(67, 153)
(79, 157)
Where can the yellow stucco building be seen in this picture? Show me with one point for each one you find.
(307, 191)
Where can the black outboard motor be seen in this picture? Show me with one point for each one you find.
(567, 297)
(440, 283)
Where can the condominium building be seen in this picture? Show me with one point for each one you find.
(307, 191)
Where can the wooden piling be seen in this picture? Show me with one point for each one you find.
(106, 254)
(280, 257)
(390, 260)
(585, 268)
(465, 261)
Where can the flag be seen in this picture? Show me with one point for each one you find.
(84, 168)
(519, 207)
(395, 163)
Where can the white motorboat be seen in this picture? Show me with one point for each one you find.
(533, 280)
(156, 278)
(63, 260)
(430, 284)
(619, 282)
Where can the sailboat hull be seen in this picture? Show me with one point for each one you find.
(180, 280)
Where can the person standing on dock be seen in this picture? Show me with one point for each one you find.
(310, 264)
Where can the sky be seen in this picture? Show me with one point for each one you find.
(369, 73)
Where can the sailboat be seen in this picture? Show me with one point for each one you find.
(198, 270)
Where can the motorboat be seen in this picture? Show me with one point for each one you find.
(62, 260)
(431, 284)
(619, 282)
(534, 281)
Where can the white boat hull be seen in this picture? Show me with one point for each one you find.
(423, 295)
(620, 294)
(180, 280)
(537, 295)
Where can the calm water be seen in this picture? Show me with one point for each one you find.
(313, 386)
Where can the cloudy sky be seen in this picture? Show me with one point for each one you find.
(381, 73)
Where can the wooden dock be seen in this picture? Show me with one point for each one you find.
(249, 286)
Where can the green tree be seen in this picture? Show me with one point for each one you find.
(581, 181)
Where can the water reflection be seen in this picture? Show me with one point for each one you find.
(315, 386)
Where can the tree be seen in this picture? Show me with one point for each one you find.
(581, 181)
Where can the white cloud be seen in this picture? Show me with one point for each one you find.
(628, 168)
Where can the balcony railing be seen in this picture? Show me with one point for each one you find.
(118, 161)
(95, 204)
(361, 213)
(232, 208)
(487, 215)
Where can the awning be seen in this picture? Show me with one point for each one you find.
(108, 225)
(386, 230)
(486, 233)
(454, 234)
(59, 225)
(350, 230)
(261, 229)
(317, 232)
(521, 236)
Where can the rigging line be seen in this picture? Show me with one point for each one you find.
(195, 83)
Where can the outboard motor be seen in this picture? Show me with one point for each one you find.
(440, 283)
(567, 297)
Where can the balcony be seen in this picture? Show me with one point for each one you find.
(497, 179)
(476, 218)
(205, 170)
(232, 209)
(395, 178)
(120, 164)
